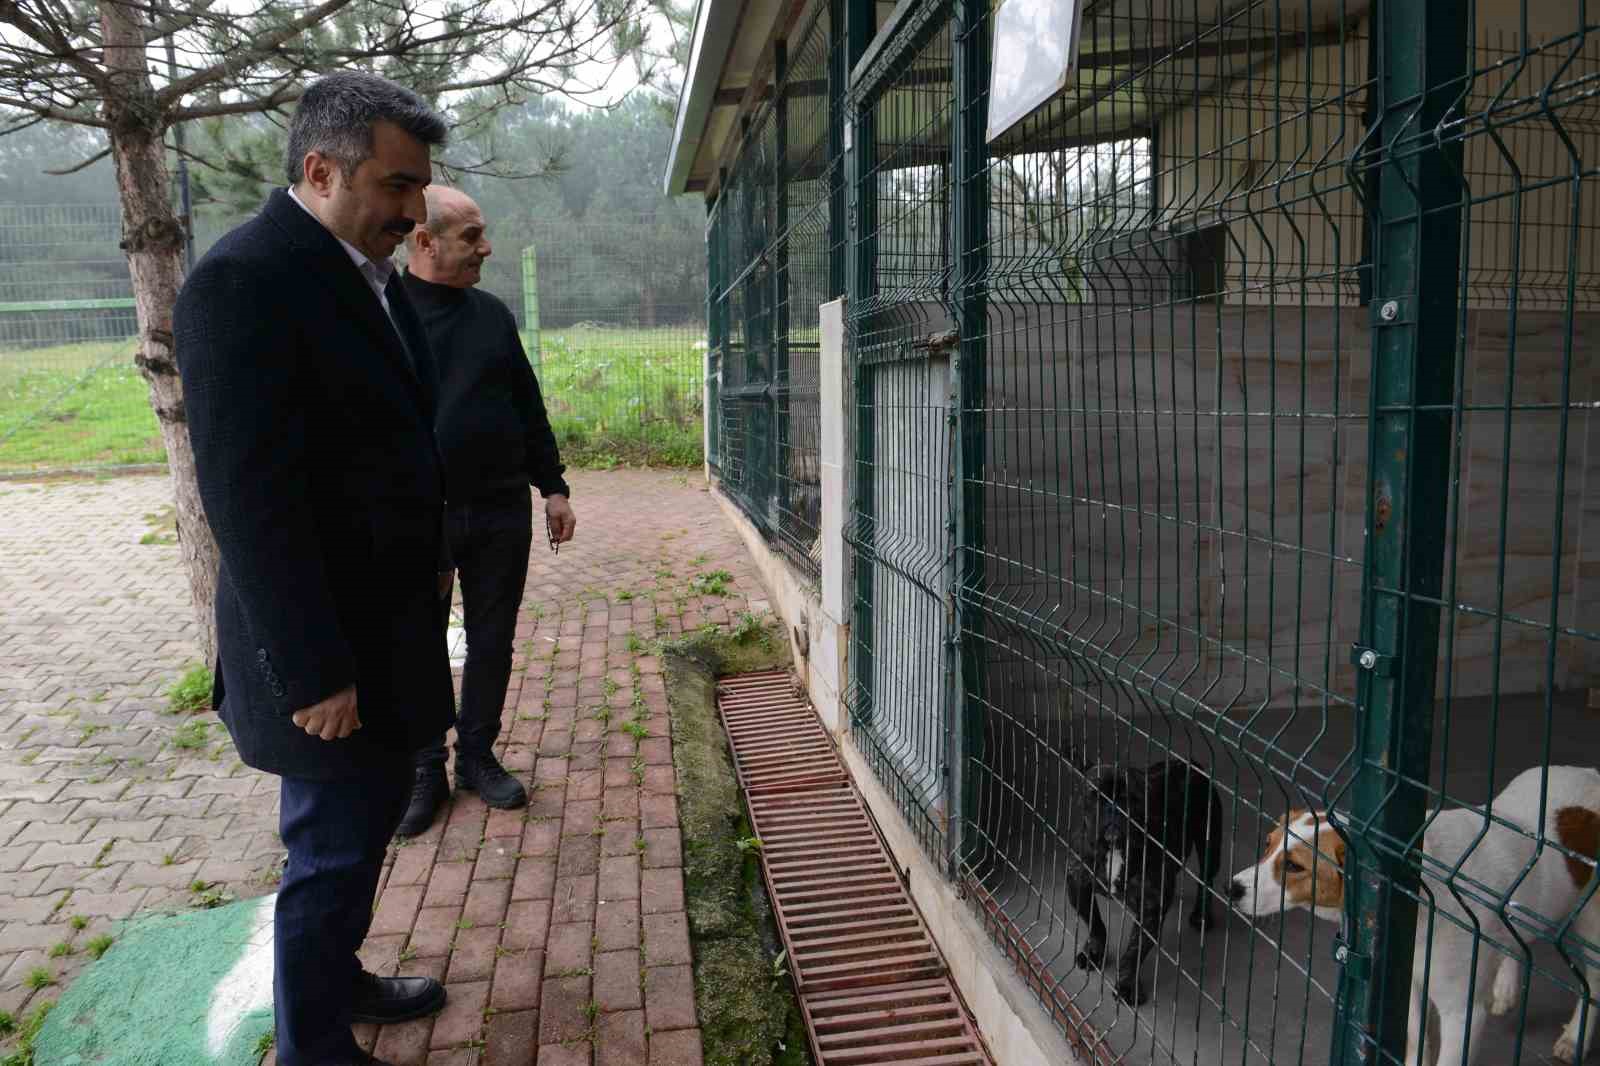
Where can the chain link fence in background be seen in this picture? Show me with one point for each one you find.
(69, 393)
(615, 326)
(614, 322)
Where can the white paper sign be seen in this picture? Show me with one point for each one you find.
(1035, 55)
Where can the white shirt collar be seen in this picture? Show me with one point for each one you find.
(377, 272)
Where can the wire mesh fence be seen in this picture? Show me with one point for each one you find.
(619, 349)
(772, 239)
(1221, 496)
(69, 393)
(900, 532)
(617, 333)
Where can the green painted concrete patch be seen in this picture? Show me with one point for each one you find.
(191, 989)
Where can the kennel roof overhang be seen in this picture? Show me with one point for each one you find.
(730, 68)
(1139, 61)
(729, 38)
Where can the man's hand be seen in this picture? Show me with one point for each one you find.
(558, 514)
(446, 580)
(334, 718)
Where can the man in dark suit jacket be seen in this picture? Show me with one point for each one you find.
(310, 394)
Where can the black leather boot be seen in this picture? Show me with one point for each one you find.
(483, 774)
(428, 794)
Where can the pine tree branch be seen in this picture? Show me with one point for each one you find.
(247, 57)
(85, 165)
(272, 101)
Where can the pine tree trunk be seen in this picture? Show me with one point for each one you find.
(153, 239)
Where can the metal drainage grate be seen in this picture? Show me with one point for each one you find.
(845, 917)
(920, 1022)
(873, 987)
(781, 746)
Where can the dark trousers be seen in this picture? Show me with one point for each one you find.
(489, 540)
(336, 833)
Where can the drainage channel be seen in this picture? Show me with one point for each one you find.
(873, 987)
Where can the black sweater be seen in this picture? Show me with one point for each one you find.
(491, 424)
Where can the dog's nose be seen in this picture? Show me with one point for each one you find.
(1236, 890)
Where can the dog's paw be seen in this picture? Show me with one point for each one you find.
(1507, 991)
(1129, 992)
(1091, 957)
(1566, 1049)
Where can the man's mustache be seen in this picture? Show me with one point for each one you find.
(399, 227)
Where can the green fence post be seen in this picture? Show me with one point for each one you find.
(860, 159)
(778, 450)
(838, 83)
(712, 403)
(530, 304)
(970, 229)
(1422, 61)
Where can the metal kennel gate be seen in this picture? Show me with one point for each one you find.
(1234, 407)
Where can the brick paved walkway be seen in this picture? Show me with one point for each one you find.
(559, 929)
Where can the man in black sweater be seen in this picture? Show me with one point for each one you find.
(495, 438)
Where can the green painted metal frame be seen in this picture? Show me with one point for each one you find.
(122, 303)
(778, 444)
(970, 226)
(1422, 61)
(716, 332)
(530, 304)
(860, 152)
(838, 85)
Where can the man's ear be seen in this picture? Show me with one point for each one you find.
(319, 172)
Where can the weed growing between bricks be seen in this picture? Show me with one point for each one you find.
(751, 1016)
(21, 1052)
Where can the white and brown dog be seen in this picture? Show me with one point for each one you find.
(1303, 867)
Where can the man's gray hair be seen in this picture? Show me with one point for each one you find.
(337, 112)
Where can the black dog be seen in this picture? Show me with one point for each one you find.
(1131, 835)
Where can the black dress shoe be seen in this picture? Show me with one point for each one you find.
(484, 775)
(428, 793)
(387, 1000)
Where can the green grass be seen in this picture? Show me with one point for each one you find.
(22, 1055)
(623, 396)
(98, 945)
(191, 736)
(75, 405)
(616, 397)
(191, 692)
(713, 583)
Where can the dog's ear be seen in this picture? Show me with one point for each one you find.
(1105, 777)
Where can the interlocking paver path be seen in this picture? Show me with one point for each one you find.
(559, 929)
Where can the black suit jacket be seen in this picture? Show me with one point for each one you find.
(312, 428)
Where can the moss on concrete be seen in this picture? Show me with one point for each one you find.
(749, 1016)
